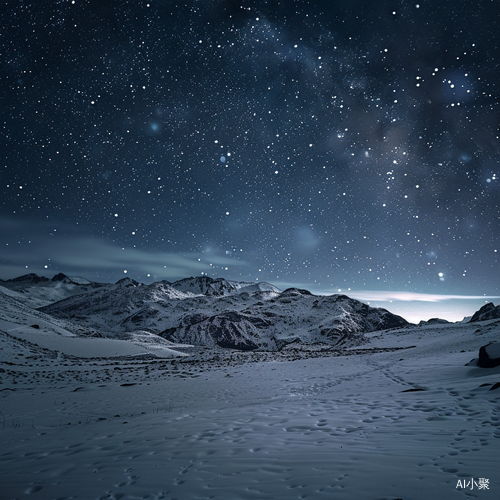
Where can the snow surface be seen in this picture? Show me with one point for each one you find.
(92, 347)
(258, 425)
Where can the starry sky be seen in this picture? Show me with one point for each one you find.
(342, 145)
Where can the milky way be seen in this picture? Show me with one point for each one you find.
(336, 145)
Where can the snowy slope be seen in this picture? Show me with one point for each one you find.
(20, 323)
(123, 302)
(408, 424)
(378, 414)
(15, 314)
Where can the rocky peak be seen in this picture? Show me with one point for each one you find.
(61, 277)
(127, 282)
(291, 292)
(488, 311)
(204, 285)
(29, 278)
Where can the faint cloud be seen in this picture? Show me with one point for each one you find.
(306, 239)
(30, 246)
(413, 297)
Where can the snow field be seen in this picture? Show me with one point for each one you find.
(320, 428)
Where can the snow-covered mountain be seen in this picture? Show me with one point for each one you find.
(205, 285)
(208, 312)
(293, 317)
(39, 291)
(22, 326)
(128, 305)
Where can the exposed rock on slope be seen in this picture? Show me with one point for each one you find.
(230, 330)
(204, 285)
(489, 355)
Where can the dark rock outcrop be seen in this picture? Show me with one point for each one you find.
(30, 278)
(294, 292)
(219, 287)
(230, 330)
(61, 277)
(489, 355)
(127, 282)
(488, 311)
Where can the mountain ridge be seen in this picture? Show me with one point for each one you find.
(220, 313)
(208, 312)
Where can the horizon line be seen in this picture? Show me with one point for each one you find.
(363, 295)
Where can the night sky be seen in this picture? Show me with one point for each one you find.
(342, 145)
